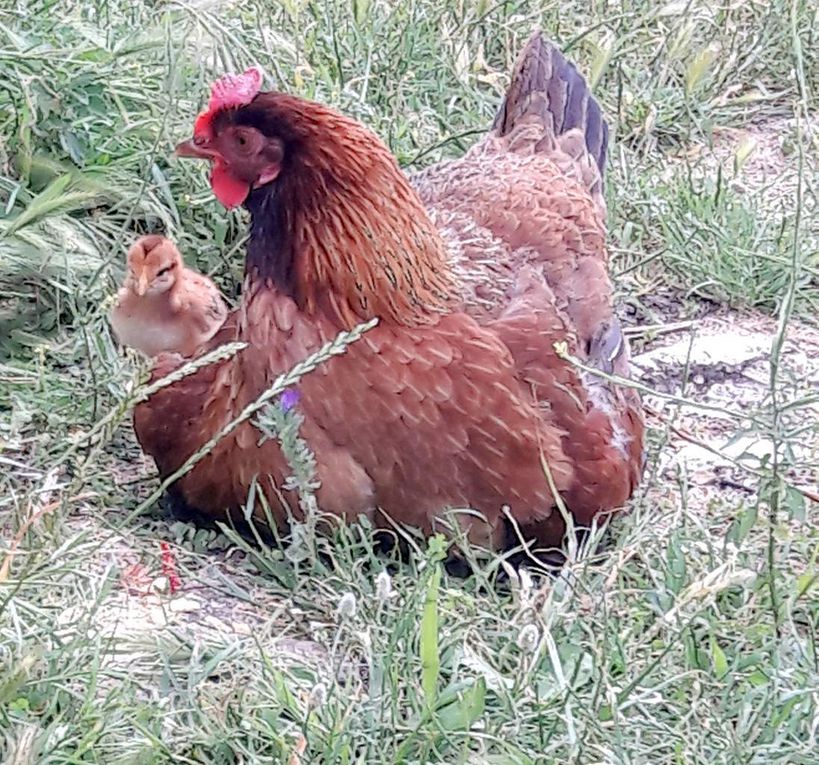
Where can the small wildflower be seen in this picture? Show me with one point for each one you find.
(383, 587)
(347, 606)
(318, 696)
(289, 399)
(528, 638)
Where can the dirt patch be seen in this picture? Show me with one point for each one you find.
(167, 601)
(721, 367)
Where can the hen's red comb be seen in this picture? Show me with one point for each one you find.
(227, 92)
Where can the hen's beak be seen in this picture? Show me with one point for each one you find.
(190, 148)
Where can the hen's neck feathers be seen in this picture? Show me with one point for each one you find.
(341, 230)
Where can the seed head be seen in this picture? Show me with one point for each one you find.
(318, 696)
(383, 586)
(528, 638)
(347, 606)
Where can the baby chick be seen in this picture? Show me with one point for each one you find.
(163, 306)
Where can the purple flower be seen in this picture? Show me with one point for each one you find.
(289, 399)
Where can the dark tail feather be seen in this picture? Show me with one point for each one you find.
(542, 70)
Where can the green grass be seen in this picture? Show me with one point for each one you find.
(692, 639)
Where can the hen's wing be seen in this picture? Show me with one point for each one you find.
(601, 421)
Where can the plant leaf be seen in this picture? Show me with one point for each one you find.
(463, 713)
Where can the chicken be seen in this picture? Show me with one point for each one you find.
(457, 398)
(163, 306)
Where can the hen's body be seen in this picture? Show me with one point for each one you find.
(457, 398)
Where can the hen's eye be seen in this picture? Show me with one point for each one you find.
(164, 270)
(241, 140)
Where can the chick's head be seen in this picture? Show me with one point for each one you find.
(153, 265)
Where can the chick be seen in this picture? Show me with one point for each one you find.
(163, 306)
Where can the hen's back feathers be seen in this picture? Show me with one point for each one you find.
(524, 215)
(549, 110)
(547, 86)
(530, 194)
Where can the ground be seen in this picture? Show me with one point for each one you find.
(726, 357)
(686, 633)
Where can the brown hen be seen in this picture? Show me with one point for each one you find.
(457, 398)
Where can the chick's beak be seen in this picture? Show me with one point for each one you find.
(191, 148)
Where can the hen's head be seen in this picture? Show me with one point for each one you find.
(242, 156)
